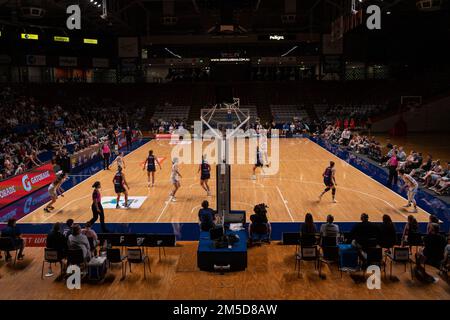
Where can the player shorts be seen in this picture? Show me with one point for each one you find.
(151, 169)
(174, 180)
(205, 176)
(119, 189)
(412, 193)
(52, 191)
(258, 164)
(328, 183)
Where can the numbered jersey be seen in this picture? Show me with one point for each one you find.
(151, 163)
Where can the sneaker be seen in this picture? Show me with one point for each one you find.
(253, 177)
(407, 206)
(173, 199)
(208, 193)
(334, 201)
(117, 206)
(47, 210)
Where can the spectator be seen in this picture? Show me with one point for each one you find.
(77, 240)
(13, 232)
(308, 231)
(433, 250)
(388, 234)
(364, 235)
(91, 235)
(411, 228)
(329, 229)
(259, 221)
(206, 217)
(68, 228)
(57, 241)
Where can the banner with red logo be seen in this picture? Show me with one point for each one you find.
(34, 240)
(24, 184)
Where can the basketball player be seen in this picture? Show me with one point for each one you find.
(412, 186)
(175, 179)
(54, 189)
(116, 141)
(97, 208)
(205, 170)
(329, 178)
(263, 143)
(120, 182)
(259, 162)
(120, 160)
(151, 168)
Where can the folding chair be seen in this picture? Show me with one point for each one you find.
(135, 256)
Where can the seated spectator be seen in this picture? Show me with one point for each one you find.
(401, 154)
(57, 241)
(13, 232)
(411, 228)
(308, 231)
(329, 230)
(364, 235)
(68, 228)
(206, 217)
(77, 240)
(434, 174)
(91, 235)
(433, 250)
(259, 221)
(424, 167)
(388, 234)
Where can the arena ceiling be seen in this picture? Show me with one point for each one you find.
(149, 17)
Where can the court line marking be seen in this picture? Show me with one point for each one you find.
(285, 203)
(43, 205)
(352, 190)
(384, 187)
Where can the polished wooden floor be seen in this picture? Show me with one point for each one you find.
(290, 193)
(270, 276)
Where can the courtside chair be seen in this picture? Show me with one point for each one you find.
(307, 253)
(114, 255)
(400, 255)
(7, 245)
(75, 257)
(136, 256)
(375, 257)
(52, 256)
(329, 256)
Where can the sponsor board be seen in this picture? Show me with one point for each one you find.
(34, 240)
(24, 184)
(133, 202)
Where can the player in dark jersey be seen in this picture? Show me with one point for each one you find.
(329, 180)
(259, 162)
(120, 182)
(151, 167)
(205, 175)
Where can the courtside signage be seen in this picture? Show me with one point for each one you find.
(24, 184)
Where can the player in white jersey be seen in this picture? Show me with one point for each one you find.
(175, 179)
(55, 190)
(412, 186)
(120, 160)
(263, 147)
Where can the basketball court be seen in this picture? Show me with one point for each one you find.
(290, 193)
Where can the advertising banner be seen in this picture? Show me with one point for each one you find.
(84, 156)
(24, 184)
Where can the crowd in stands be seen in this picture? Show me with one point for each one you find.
(166, 126)
(432, 174)
(33, 127)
